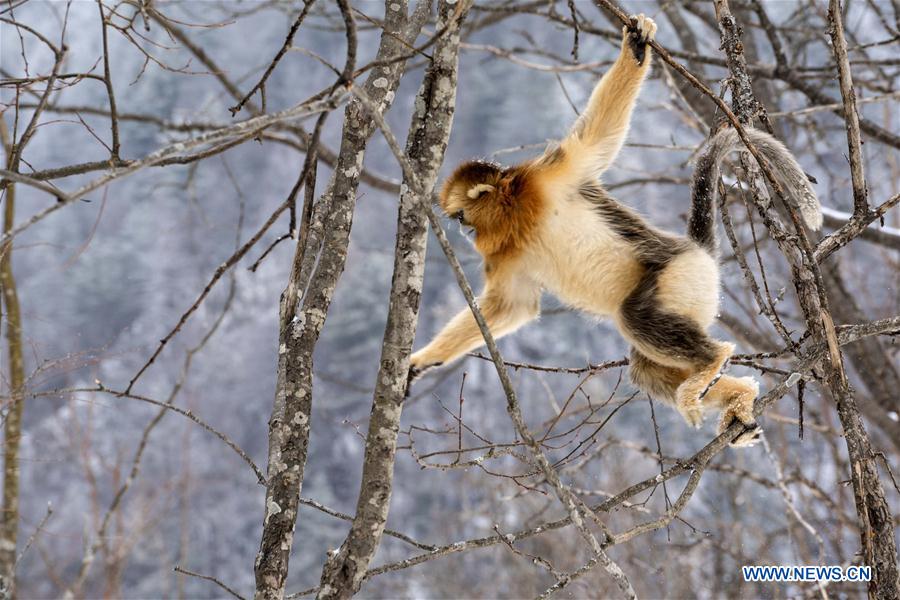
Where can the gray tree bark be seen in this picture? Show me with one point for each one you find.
(871, 363)
(12, 425)
(429, 132)
(302, 315)
(875, 521)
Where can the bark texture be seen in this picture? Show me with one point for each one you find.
(12, 412)
(875, 521)
(429, 132)
(872, 364)
(305, 303)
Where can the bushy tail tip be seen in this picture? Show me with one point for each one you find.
(796, 187)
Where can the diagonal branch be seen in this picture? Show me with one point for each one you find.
(261, 84)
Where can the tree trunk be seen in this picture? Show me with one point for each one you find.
(429, 132)
(12, 427)
(299, 330)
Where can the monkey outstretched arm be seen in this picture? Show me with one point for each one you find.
(599, 133)
(504, 313)
(546, 224)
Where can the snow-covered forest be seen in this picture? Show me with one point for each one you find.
(213, 271)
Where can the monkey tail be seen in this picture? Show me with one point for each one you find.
(797, 189)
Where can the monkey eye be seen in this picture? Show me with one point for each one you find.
(460, 216)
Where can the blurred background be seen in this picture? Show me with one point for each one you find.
(101, 281)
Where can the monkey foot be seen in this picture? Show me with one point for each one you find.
(750, 436)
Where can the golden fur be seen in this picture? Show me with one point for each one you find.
(547, 225)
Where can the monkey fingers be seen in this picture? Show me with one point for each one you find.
(691, 411)
(638, 34)
(415, 372)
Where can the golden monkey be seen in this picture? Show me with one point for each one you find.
(548, 224)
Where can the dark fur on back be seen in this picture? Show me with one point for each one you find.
(654, 247)
(642, 315)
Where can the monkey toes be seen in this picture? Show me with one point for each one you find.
(642, 27)
(750, 436)
(740, 409)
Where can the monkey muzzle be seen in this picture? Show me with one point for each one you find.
(460, 217)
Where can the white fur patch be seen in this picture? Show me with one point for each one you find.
(476, 190)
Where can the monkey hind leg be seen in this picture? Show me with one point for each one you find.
(655, 379)
(688, 395)
(735, 396)
(675, 341)
(675, 360)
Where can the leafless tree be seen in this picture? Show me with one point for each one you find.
(560, 477)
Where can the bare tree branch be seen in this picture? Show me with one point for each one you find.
(429, 132)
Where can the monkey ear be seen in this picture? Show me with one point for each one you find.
(477, 190)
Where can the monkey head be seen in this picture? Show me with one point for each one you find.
(468, 190)
(500, 204)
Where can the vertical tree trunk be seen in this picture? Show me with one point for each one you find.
(429, 132)
(12, 428)
(300, 326)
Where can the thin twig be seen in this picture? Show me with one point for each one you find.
(179, 569)
(261, 84)
(851, 116)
